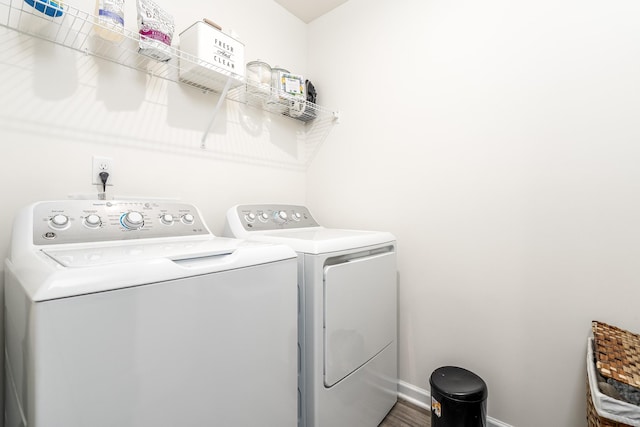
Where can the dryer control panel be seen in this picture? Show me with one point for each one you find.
(274, 217)
(77, 221)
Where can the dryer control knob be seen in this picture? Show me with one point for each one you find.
(133, 220)
(296, 216)
(187, 218)
(264, 217)
(280, 217)
(59, 221)
(166, 219)
(250, 217)
(92, 221)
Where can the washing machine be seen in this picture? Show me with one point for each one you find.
(132, 314)
(347, 318)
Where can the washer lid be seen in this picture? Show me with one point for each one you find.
(89, 256)
(318, 240)
(80, 269)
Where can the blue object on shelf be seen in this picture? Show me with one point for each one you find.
(48, 7)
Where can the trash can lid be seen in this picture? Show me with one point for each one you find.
(459, 383)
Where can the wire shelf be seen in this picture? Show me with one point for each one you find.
(75, 29)
(318, 120)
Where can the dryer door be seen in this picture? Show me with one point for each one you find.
(359, 313)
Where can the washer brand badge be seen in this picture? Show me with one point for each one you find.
(49, 235)
(436, 408)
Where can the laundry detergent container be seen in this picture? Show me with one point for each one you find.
(458, 398)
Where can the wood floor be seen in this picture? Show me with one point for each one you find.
(405, 414)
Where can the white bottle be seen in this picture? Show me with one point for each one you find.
(110, 19)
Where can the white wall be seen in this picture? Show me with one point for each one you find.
(498, 140)
(59, 107)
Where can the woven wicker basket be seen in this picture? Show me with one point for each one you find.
(593, 419)
(617, 354)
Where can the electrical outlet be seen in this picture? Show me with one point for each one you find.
(101, 164)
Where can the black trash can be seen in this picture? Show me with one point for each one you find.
(458, 398)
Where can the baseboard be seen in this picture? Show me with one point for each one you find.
(414, 394)
(422, 398)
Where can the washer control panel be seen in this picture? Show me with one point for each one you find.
(77, 221)
(274, 217)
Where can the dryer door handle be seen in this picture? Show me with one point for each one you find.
(360, 256)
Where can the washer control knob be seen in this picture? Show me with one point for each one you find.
(59, 221)
(133, 220)
(296, 216)
(280, 217)
(250, 217)
(187, 218)
(166, 219)
(264, 217)
(92, 221)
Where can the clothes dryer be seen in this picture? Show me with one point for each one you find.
(132, 314)
(347, 320)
